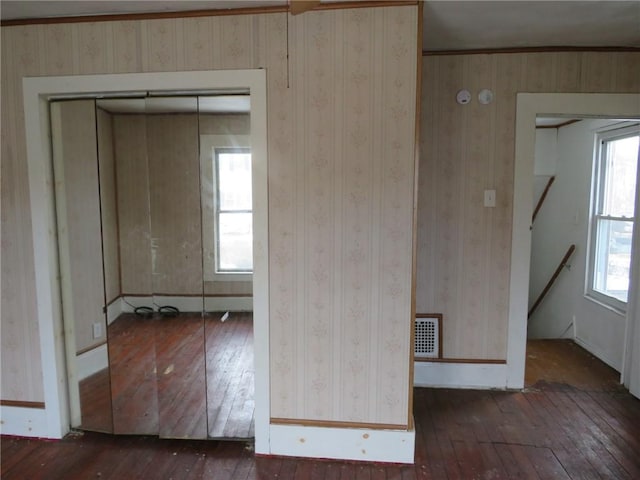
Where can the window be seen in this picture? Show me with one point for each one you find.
(233, 211)
(612, 222)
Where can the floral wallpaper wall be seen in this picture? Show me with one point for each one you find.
(341, 128)
(464, 249)
(341, 280)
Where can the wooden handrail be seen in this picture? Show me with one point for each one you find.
(542, 197)
(546, 289)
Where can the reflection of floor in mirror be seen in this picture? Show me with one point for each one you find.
(230, 375)
(158, 382)
(96, 402)
(132, 362)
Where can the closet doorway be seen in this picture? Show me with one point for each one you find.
(154, 211)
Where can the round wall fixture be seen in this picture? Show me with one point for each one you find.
(485, 96)
(463, 97)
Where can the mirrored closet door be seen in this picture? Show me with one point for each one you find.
(132, 349)
(226, 184)
(154, 213)
(85, 288)
(176, 233)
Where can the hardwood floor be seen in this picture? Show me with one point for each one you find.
(182, 382)
(134, 388)
(558, 431)
(230, 375)
(563, 362)
(95, 392)
(176, 377)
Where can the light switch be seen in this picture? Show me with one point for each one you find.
(489, 198)
(97, 330)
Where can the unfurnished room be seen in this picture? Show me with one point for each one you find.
(320, 239)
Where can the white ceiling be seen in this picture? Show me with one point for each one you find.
(448, 25)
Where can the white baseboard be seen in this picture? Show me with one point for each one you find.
(597, 352)
(394, 446)
(92, 361)
(228, 304)
(23, 422)
(129, 304)
(114, 309)
(182, 303)
(460, 375)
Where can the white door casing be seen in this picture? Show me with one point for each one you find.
(529, 106)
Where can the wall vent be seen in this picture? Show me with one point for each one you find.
(427, 336)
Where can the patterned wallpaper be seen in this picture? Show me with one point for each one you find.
(464, 249)
(340, 285)
(341, 132)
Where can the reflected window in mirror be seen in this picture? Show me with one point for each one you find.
(233, 211)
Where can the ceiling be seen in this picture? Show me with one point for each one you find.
(448, 25)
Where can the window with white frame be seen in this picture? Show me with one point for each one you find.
(612, 218)
(233, 211)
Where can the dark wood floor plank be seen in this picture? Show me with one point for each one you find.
(561, 430)
(620, 440)
(546, 464)
(181, 377)
(16, 451)
(617, 405)
(95, 401)
(493, 465)
(587, 437)
(266, 468)
(622, 430)
(565, 362)
(525, 467)
(469, 458)
(230, 377)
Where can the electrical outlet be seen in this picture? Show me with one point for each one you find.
(97, 330)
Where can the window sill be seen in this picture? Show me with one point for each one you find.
(229, 277)
(611, 308)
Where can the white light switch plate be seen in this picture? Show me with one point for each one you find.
(489, 198)
(97, 330)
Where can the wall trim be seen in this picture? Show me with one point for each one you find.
(597, 352)
(128, 304)
(119, 17)
(486, 361)
(88, 349)
(336, 424)
(188, 303)
(114, 310)
(21, 403)
(92, 361)
(184, 303)
(367, 445)
(461, 375)
(23, 421)
(414, 238)
(550, 48)
(236, 303)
